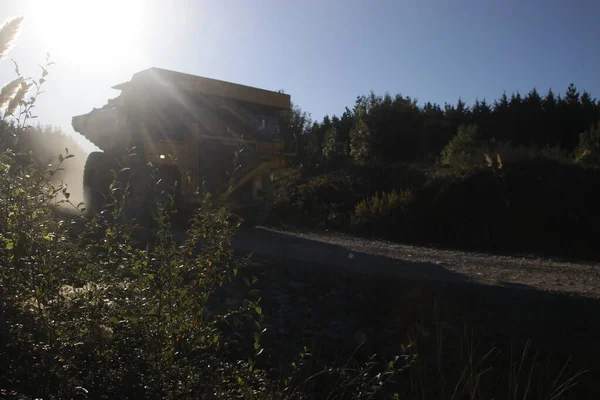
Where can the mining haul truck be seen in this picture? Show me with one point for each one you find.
(200, 134)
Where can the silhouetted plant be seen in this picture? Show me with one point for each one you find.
(588, 149)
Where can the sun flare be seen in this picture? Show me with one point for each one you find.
(91, 34)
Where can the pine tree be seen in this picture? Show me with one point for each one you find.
(481, 115)
(533, 118)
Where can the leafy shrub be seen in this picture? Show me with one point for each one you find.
(373, 179)
(462, 149)
(323, 200)
(381, 211)
(329, 200)
(538, 200)
(362, 142)
(100, 315)
(467, 150)
(378, 205)
(588, 148)
(534, 204)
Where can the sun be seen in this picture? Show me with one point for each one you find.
(92, 34)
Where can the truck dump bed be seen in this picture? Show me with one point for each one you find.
(249, 110)
(211, 87)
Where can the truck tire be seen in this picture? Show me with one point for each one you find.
(266, 204)
(258, 213)
(97, 177)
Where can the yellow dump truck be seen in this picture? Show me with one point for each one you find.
(221, 137)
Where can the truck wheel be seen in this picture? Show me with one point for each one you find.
(258, 213)
(266, 205)
(97, 178)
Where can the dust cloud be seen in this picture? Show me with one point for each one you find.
(46, 144)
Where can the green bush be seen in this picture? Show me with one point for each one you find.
(462, 149)
(467, 150)
(588, 148)
(381, 211)
(94, 313)
(377, 205)
(535, 200)
(535, 204)
(329, 200)
(373, 179)
(324, 200)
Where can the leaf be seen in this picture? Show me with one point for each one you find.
(9, 244)
(16, 67)
(69, 156)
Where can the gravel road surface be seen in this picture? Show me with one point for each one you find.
(523, 271)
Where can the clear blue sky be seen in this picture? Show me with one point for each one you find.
(323, 53)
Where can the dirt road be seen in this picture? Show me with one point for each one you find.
(326, 290)
(423, 263)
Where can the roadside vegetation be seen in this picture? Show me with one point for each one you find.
(514, 174)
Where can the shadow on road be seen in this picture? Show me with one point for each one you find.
(284, 247)
(318, 294)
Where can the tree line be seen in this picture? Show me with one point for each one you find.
(384, 130)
